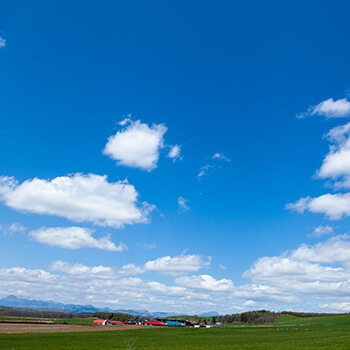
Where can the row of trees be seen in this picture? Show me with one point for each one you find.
(40, 314)
(257, 317)
(113, 316)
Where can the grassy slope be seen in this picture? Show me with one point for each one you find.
(331, 332)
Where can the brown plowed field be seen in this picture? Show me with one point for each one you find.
(11, 328)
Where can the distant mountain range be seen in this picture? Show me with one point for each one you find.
(49, 305)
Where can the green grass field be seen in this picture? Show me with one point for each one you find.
(331, 332)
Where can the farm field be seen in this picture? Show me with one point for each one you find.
(331, 332)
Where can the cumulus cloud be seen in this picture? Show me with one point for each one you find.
(318, 271)
(181, 201)
(78, 198)
(334, 206)
(174, 152)
(329, 109)
(300, 205)
(137, 145)
(130, 270)
(337, 162)
(205, 282)
(335, 166)
(321, 230)
(335, 307)
(250, 303)
(74, 238)
(80, 284)
(2, 42)
(85, 272)
(81, 270)
(177, 265)
(264, 293)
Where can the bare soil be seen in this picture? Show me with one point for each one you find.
(12, 328)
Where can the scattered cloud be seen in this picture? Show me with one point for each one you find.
(177, 265)
(148, 245)
(137, 145)
(329, 109)
(250, 303)
(334, 206)
(212, 163)
(130, 270)
(300, 205)
(222, 267)
(321, 230)
(16, 227)
(220, 156)
(204, 171)
(78, 283)
(174, 152)
(74, 238)
(78, 198)
(337, 162)
(264, 293)
(335, 307)
(81, 270)
(205, 282)
(181, 201)
(2, 42)
(318, 271)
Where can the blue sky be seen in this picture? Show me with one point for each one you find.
(176, 156)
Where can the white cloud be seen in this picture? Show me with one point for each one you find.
(82, 271)
(329, 109)
(250, 303)
(100, 271)
(177, 265)
(300, 205)
(125, 121)
(2, 42)
(335, 249)
(335, 166)
(318, 271)
(166, 290)
(181, 201)
(220, 156)
(203, 171)
(321, 230)
(337, 162)
(74, 238)
(264, 293)
(148, 245)
(174, 152)
(16, 227)
(80, 284)
(335, 307)
(137, 145)
(334, 206)
(205, 282)
(130, 270)
(78, 198)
